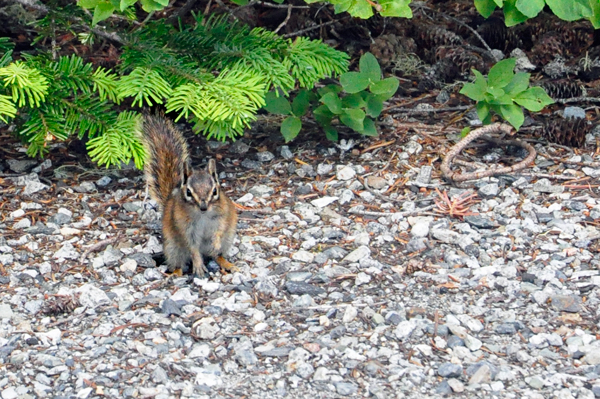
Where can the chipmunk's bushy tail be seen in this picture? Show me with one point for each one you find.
(167, 157)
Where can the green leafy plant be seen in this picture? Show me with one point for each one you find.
(517, 11)
(354, 102)
(504, 92)
(214, 74)
(103, 9)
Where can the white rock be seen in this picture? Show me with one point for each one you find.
(358, 254)
(404, 329)
(345, 173)
(362, 278)
(303, 256)
(324, 201)
(349, 314)
(91, 296)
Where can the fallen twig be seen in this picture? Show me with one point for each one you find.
(481, 133)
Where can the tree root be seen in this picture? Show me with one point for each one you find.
(481, 133)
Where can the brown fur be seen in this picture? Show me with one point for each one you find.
(198, 220)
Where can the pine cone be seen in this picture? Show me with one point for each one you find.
(547, 48)
(563, 88)
(462, 58)
(388, 48)
(569, 132)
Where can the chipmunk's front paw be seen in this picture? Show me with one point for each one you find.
(226, 266)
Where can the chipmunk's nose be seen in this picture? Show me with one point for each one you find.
(203, 206)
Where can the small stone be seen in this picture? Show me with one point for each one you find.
(265, 156)
(456, 385)
(85, 187)
(305, 370)
(324, 168)
(345, 388)
(5, 311)
(301, 288)
(480, 222)
(159, 375)
(376, 182)
(544, 186)
(358, 254)
(488, 190)
(482, 375)
(103, 181)
(566, 303)
(67, 251)
(170, 307)
(535, 382)
(323, 202)
(506, 328)
(362, 278)
(345, 173)
(21, 165)
(404, 329)
(450, 370)
(349, 314)
(303, 256)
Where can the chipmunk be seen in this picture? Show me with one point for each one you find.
(198, 219)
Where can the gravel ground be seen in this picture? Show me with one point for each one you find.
(353, 281)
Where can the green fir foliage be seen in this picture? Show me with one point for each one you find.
(214, 74)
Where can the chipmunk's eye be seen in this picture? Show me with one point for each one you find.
(215, 192)
(189, 193)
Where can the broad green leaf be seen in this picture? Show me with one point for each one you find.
(359, 9)
(333, 102)
(89, 3)
(369, 66)
(395, 8)
(534, 99)
(301, 103)
(102, 12)
(290, 127)
(355, 100)
(241, 2)
(353, 82)
(485, 7)
(277, 105)
(483, 112)
(126, 3)
(163, 3)
(493, 93)
(323, 115)
(151, 5)
(571, 10)
(595, 18)
(353, 118)
(512, 16)
(330, 88)
(374, 106)
(465, 130)
(476, 90)
(502, 100)
(331, 133)
(513, 114)
(502, 73)
(519, 83)
(278, 1)
(116, 3)
(369, 128)
(530, 8)
(386, 87)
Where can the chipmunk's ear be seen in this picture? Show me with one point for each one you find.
(187, 172)
(212, 170)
